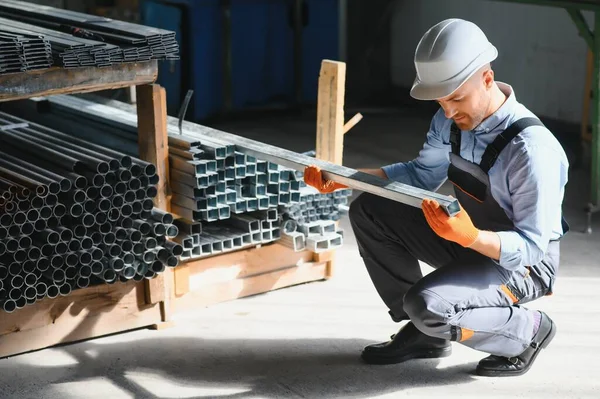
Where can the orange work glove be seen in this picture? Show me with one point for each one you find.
(459, 228)
(313, 177)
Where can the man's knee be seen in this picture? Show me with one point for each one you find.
(361, 207)
(426, 309)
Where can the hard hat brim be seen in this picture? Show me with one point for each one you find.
(428, 92)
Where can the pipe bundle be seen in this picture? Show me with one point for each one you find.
(74, 214)
(212, 182)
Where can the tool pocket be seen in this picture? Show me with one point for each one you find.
(522, 287)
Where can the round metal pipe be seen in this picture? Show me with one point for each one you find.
(134, 184)
(48, 249)
(52, 223)
(71, 272)
(39, 225)
(65, 289)
(97, 253)
(65, 234)
(116, 264)
(52, 291)
(30, 293)
(41, 289)
(96, 237)
(33, 253)
(97, 268)
(42, 264)
(149, 256)
(74, 245)
(3, 233)
(15, 293)
(20, 256)
(30, 279)
(79, 231)
(89, 206)
(144, 181)
(61, 248)
(83, 282)
(126, 246)
(71, 260)
(59, 210)
(51, 200)
(121, 188)
(118, 201)
(140, 194)
(136, 208)
(88, 220)
(6, 220)
(9, 306)
(105, 228)
(17, 281)
(93, 192)
(175, 248)
(172, 261)
(161, 216)
(3, 272)
(126, 223)
(29, 266)
(172, 231)
(85, 271)
(160, 241)
(11, 245)
(109, 276)
(21, 302)
(45, 212)
(57, 261)
(85, 258)
(129, 196)
(128, 272)
(157, 267)
(33, 215)
(103, 205)
(24, 242)
(86, 243)
(97, 163)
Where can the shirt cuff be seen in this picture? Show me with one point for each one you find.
(510, 250)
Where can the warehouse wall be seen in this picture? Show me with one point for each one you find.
(541, 54)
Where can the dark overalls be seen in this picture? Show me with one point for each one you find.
(469, 297)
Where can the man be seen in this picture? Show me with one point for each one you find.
(501, 250)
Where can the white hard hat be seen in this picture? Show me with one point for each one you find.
(447, 56)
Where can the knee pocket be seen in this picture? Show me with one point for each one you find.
(425, 306)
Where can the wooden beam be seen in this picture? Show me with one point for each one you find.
(352, 122)
(85, 313)
(51, 81)
(330, 112)
(153, 147)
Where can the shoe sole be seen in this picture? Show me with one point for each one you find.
(496, 373)
(418, 354)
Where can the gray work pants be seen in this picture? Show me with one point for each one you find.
(469, 298)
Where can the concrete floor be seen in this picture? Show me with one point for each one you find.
(305, 341)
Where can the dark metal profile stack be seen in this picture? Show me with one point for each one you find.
(74, 214)
(134, 42)
(23, 51)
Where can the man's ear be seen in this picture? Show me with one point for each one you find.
(488, 78)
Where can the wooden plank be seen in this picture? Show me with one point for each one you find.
(152, 136)
(182, 280)
(243, 264)
(85, 313)
(46, 82)
(330, 111)
(153, 147)
(251, 285)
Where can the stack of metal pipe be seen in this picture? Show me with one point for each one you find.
(212, 182)
(74, 214)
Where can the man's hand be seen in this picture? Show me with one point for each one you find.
(459, 228)
(313, 177)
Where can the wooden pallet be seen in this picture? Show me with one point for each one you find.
(85, 313)
(244, 273)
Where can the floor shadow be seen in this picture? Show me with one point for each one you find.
(310, 368)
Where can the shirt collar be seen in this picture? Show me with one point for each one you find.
(501, 113)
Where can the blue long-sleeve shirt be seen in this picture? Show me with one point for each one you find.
(527, 180)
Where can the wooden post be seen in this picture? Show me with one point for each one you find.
(330, 111)
(153, 147)
(330, 121)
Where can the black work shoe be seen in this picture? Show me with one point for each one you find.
(408, 343)
(499, 366)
